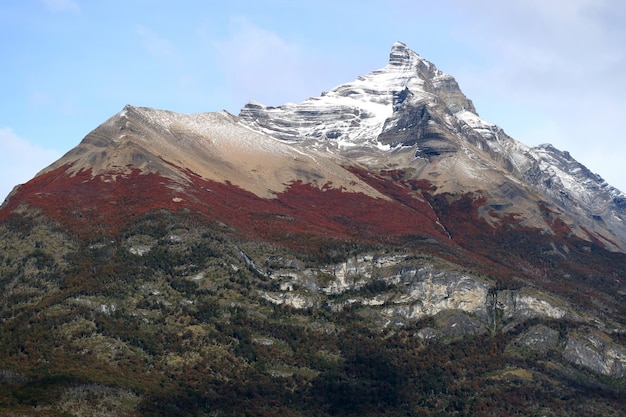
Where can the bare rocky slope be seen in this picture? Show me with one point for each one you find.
(377, 250)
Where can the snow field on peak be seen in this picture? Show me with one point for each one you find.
(351, 114)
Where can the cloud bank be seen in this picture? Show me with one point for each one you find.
(21, 159)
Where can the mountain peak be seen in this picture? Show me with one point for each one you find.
(402, 56)
(408, 68)
(357, 112)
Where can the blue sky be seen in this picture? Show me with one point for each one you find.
(545, 71)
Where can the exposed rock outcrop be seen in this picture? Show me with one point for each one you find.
(596, 351)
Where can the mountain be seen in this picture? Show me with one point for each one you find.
(424, 125)
(379, 250)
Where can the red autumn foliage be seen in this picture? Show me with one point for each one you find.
(92, 205)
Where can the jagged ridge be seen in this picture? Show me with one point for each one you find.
(412, 116)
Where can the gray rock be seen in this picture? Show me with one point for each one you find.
(540, 339)
(595, 350)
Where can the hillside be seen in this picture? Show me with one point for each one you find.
(377, 250)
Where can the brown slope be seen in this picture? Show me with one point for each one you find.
(213, 146)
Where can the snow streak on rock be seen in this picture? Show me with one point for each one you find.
(353, 113)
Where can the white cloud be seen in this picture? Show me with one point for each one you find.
(535, 45)
(534, 40)
(156, 45)
(62, 5)
(563, 60)
(261, 65)
(20, 160)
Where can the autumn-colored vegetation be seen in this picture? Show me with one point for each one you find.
(181, 330)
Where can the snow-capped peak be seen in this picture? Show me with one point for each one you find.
(401, 55)
(405, 60)
(410, 114)
(355, 113)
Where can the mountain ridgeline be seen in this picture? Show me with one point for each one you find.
(377, 250)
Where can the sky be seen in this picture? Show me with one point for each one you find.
(544, 71)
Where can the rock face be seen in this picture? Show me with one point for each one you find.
(540, 339)
(407, 291)
(575, 189)
(520, 306)
(596, 351)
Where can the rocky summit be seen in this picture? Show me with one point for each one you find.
(377, 250)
